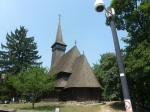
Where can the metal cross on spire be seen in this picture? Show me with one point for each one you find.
(59, 16)
(75, 42)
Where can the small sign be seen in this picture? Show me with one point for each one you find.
(57, 110)
(122, 74)
(128, 105)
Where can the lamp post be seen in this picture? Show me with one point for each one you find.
(110, 13)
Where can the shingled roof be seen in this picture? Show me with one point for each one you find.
(72, 68)
(61, 82)
(78, 68)
(67, 61)
(82, 75)
(59, 38)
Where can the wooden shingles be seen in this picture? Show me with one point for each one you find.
(67, 61)
(77, 65)
(82, 75)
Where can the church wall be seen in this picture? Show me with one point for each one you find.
(87, 94)
(79, 94)
(72, 94)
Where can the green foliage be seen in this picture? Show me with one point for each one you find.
(7, 91)
(19, 52)
(4, 91)
(134, 17)
(33, 82)
(138, 69)
(108, 75)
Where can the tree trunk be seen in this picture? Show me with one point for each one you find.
(33, 104)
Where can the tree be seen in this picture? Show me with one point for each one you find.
(108, 74)
(134, 17)
(33, 82)
(19, 52)
(4, 90)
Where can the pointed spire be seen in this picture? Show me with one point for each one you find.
(59, 38)
(59, 33)
(59, 16)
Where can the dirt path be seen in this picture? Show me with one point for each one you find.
(113, 107)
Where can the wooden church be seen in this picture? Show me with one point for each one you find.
(75, 79)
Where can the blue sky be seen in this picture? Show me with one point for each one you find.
(79, 22)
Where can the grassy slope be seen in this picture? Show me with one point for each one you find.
(50, 107)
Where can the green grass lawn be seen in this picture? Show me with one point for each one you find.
(50, 107)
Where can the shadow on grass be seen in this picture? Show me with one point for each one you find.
(103, 103)
(44, 108)
(118, 106)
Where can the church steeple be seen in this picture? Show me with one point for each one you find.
(58, 48)
(59, 38)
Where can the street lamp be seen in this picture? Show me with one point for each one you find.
(110, 13)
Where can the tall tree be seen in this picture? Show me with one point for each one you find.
(134, 17)
(33, 82)
(19, 52)
(4, 90)
(108, 74)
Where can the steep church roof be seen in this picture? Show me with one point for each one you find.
(78, 69)
(67, 61)
(72, 68)
(82, 75)
(59, 38)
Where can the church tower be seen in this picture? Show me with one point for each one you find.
(58, 48)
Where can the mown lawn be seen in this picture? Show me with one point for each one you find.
(50, 107)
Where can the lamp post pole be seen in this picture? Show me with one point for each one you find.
(125, 89)
(110, 13)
